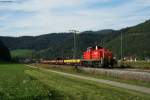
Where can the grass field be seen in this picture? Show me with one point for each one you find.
(21, 53)
(16, 84)
(21, 82)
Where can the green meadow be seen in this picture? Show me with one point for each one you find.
(18, 81)
(21, 53)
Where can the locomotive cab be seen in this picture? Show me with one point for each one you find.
(98, 57)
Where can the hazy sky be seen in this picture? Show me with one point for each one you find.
(34, 17)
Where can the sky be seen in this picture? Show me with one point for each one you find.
(36, 17)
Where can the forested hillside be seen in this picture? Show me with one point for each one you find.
(135, 41)
(60, 45)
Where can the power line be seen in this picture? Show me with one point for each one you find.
(75, 44)
(121, 48)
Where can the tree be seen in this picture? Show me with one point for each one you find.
(4, 53)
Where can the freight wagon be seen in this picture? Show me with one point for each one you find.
(93, 57)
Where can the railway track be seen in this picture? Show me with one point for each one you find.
(120, 69)
(134, 74)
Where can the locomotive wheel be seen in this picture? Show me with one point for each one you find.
(105, 63)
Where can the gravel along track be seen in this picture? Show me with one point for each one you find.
(112, 83)
(123, 74)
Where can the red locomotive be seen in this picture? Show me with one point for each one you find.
(98, 57)
(93, 57)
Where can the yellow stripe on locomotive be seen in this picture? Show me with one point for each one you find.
(72, 61)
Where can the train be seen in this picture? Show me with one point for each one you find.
(95, 56)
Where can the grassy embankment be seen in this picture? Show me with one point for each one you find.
(16, 84)
(19, 81)
(138, 64)
(71, 69)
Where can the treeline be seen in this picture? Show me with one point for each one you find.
(4, 53)
(60, 45)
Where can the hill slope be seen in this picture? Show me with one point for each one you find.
(60, 45)
(135, 41)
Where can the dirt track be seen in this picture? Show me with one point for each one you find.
(112, 83)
